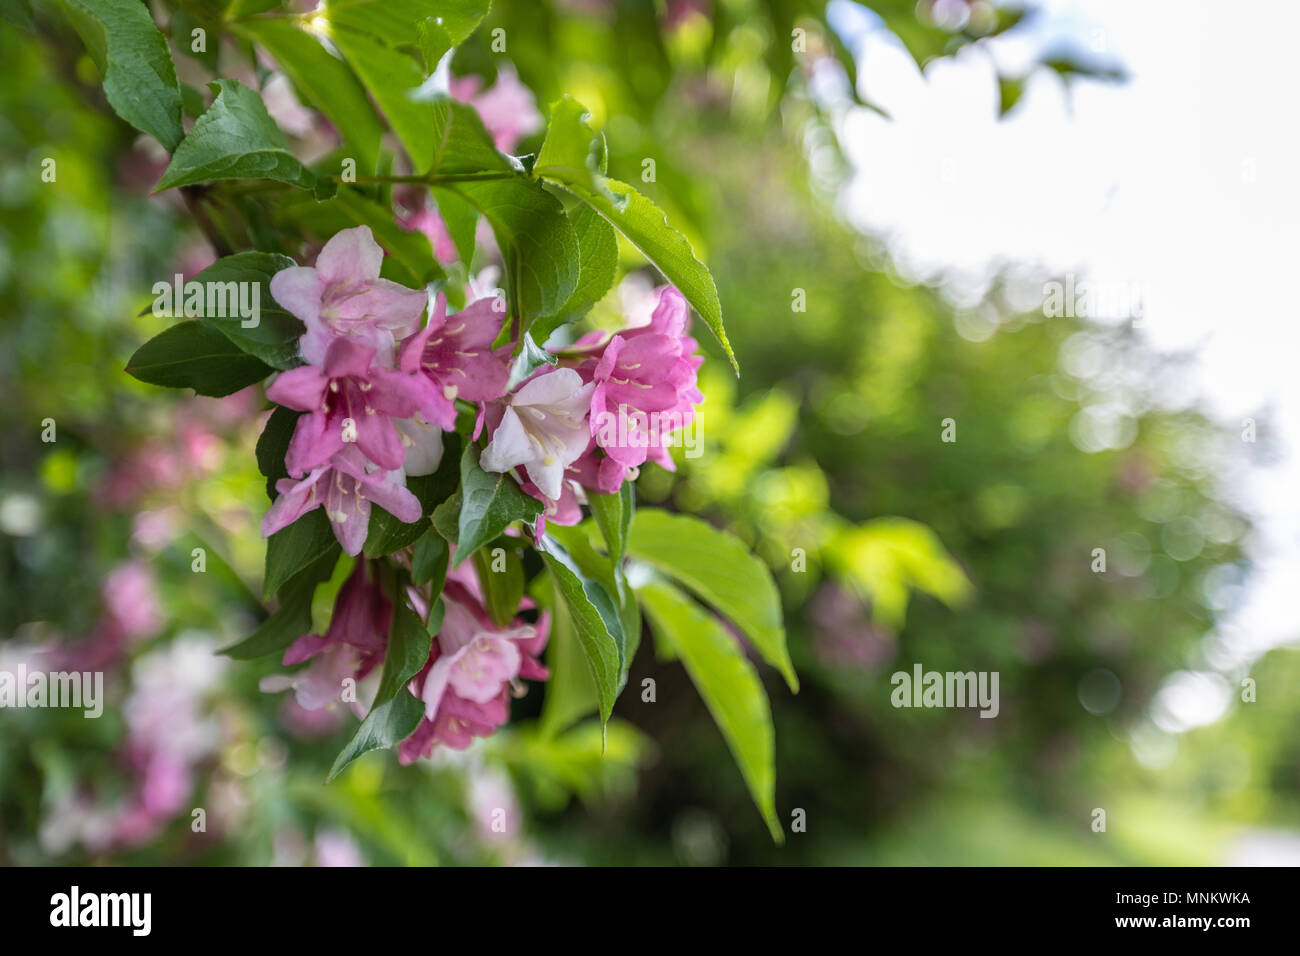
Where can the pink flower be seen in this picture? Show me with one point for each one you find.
(418, 216)
(508, 109)
(347, 400)
(466, 684)
(543, 429)
(131, 600)
(346, 488)
(644, 389)
(344, 296)
(455, 354)
(351, 647)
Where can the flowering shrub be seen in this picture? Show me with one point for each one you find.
(452, 451)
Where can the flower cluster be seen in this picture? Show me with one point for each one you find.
(379, 386)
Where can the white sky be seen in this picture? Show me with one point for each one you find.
(1185, 179)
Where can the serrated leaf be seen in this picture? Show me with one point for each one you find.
(728, 685)
(646, 226)
(537, 241)
(139, 76)
(396, 22)
(489, 504)
(595, 619)
(590, 563)
(236, 138)
(502, 586)
(572, 152)
(720, 570)
(613, 514)
(387, 724)
(597, 269)
(569, 692)
(195, 355)
(323, 81)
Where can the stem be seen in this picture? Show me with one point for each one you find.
(427, 180)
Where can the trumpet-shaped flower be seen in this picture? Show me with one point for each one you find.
(467, 682)
(343, 296)
(347, 399)
(543, 428)
(455, 354)
(346, 487)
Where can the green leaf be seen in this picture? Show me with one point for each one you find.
(236, 139)
(434, 43)
(530, 359)
(323, 81)
(273, 444)
(720, 570)
(275, 337)
(570, 694)
(573, 152)
(597, 269)
(291, 549)
(391, 78)
(292, 618)
(462, 146)
(139, 77)
(729, 686)
(387, 724)
(537, 241)
(429, 560)
(646, 226)
(596, 621)
(502, 580)
(19, 13)
(461, 220)
(590, 563)
(388, 534)
(395, 713)
(397, 22)
(194, 355)
(490, 503)
(613, 514)
(446, 518)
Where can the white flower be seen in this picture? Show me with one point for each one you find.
(544, 429)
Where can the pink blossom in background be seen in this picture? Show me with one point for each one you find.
(130, 595)
(845, 635)
(508, 109)
(416, 214)
(336, 848)
(305, 724)
(168, 733)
